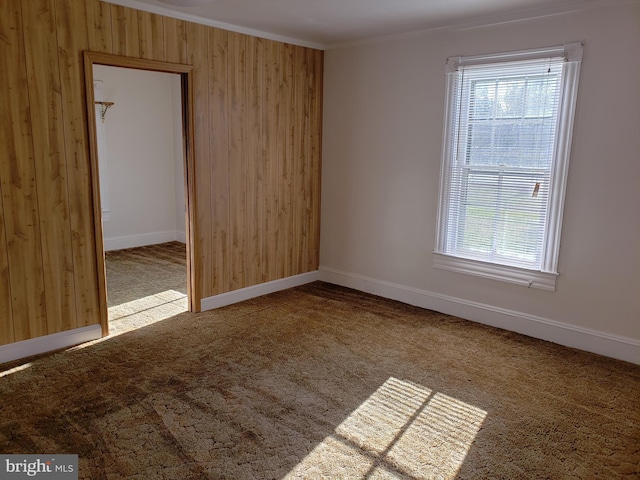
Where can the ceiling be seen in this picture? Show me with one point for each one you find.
(329, 23)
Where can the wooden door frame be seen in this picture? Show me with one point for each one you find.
(186, 80)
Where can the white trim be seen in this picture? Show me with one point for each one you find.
(131, 241)
(595, 341)
(247, 293)
(169, 12)
(504, 273)
(446, 251)
(47, 343)
(561, 155)
(572, 52)
(447, 144)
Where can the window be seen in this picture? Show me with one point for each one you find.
(507, 137)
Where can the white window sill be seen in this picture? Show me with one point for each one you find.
(504, 273)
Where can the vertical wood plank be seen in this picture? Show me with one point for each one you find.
(316, 156)
(301, 158)
(299, 171)
(237, 159)
(6, 315)
(305, 96)
(312, 160)
(18, 178)
(43, 84)
(286, 126)
(175, 39)
(219, 148)
(151, 36)
(198, 57)
(270, 224)
(10, 25)
(73, 39)
(253, 78)
(124, 31)
(98, 23)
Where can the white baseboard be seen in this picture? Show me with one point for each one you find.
(47, 343)
(602, 343)
(131, 241)
(247, 293)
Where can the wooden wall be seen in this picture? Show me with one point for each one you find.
(258, 109)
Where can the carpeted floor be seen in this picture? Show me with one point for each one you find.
(145, 284)
(325, 382)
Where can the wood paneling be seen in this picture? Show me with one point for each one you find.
(254, 187)
(255, 171)
(124, 31)
(175, 40)
(45, 107)
(73, 39)
(237, 158)
(315, 158)
(18, 176)
(271, 95)
(6, 325)
(151, 36)
(300, 167)
(99, 26)
(218, 149)
(198, 56)
(285, 137)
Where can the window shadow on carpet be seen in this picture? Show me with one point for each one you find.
(402, 429)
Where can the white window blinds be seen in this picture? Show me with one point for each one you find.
(503, 134)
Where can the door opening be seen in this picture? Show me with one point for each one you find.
(135, 234)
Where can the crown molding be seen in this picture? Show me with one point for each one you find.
(169, 12)
(478, 22)
(492, 20)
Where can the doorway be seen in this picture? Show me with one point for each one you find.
(122, 239)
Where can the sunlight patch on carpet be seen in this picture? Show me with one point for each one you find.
(15, 369)
(141, 312)
(402, 429)
(144, 311)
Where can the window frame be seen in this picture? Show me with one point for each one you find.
(545, 276)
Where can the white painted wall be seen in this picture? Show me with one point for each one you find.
(383, 113)
(144, 168)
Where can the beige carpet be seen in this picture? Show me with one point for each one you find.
(324, 382)
(145, 284)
